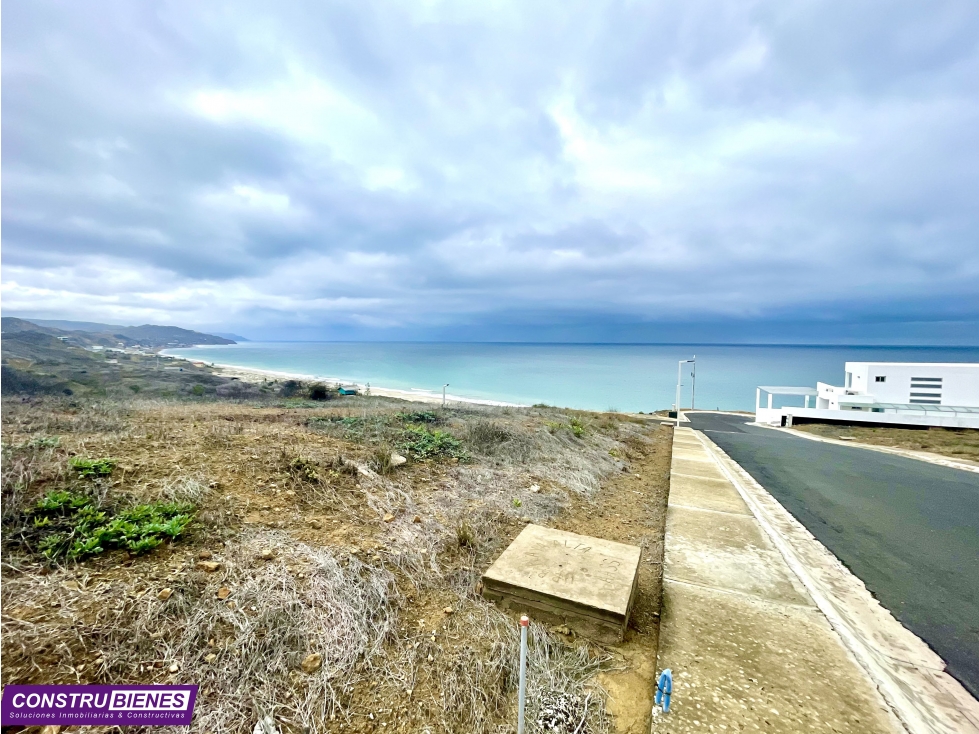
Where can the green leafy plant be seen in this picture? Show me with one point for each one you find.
(517, 502)
(61, 501)
(92, 467)
(423, 443)
(577, 427)
(45, 442)
(77, 528)
(197, 390)
(135, 388)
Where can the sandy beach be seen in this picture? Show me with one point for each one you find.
(250, 374)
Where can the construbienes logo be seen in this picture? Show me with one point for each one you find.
(129, 705)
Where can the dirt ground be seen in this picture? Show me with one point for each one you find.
(955, 443)
(317, 584)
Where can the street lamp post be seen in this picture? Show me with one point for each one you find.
(443, 393)
(693, 388)
(679, 380)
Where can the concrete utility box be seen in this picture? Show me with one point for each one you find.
(587, 583)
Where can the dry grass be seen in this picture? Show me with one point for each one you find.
(956, 443)
(305, 600)
(366, 556)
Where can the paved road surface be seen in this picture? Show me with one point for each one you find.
(908, 529)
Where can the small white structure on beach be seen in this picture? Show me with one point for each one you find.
(898, 393)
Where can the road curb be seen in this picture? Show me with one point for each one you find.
(909, 675)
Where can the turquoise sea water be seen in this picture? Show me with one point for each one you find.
(588, 376)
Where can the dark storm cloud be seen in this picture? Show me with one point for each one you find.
(439, 168)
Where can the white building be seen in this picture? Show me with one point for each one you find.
(898, 393)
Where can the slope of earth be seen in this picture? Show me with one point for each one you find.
(38, 363)
(956, 443)
(322, 581)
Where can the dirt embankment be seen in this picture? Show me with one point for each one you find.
(955, 443)
(320, 582)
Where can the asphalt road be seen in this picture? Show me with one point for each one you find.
(908, 529)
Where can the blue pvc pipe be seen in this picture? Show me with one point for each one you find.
(664, 689)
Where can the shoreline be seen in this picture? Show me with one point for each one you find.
(254, 374)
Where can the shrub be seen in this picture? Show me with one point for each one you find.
(137, 388)
(320, 391)
(290, 388)
(422, 443)
(577, 427)
(380, 460)
(342, 466)
(304, 470)
(197, 390)
(465, 536)
(237, 389)
(77, 528)
(92, 467)
(420, 416)
(485, 436)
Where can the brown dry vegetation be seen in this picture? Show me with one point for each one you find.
(956, 443)
(323, 548)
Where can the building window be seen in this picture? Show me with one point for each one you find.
(880, 378)
(849, 379)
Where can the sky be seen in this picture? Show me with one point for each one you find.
(711, 170)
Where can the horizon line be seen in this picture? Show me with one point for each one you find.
(597, 344)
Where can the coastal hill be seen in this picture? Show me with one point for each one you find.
(45, 361)
(90, 334)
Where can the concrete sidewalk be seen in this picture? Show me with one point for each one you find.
(749, 649)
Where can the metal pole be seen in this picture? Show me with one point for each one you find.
(693, 389)
(679, 367)
(522, 695)
(443, 393)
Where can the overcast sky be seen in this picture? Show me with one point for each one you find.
(624, 171)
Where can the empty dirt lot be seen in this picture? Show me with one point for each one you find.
(319, 582)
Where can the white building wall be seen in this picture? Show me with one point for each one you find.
(955, 384)
(870, 388)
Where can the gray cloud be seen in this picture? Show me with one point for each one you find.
(361, 168)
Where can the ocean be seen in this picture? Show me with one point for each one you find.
(625, 377)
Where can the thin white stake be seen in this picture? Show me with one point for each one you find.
(522, 698)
